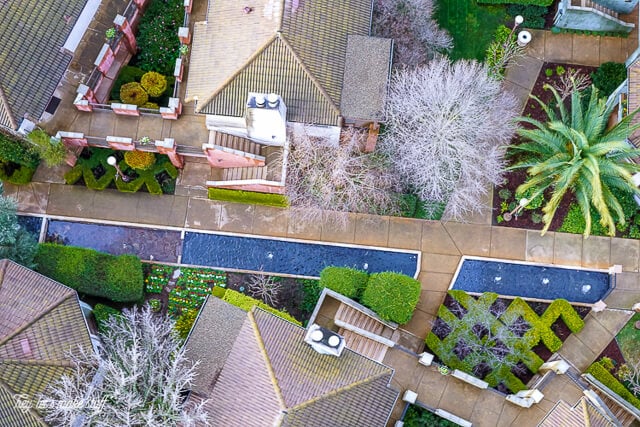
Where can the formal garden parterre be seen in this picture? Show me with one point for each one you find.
(504, 342)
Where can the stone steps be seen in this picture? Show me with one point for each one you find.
(235, 174)
(598, 7)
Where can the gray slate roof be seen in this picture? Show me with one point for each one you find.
(272, 377)
(31, 62)
(294, 48)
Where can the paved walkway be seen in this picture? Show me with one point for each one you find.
(565, 48)
(441, 244)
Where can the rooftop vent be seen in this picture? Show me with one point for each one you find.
(324, 341)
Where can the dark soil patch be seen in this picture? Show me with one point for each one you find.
(454, 306)
(561, 329)
(532, 218)
(481, 370)
(519, 327)
(290, 295)
(550, 16)
(502, 388)
(461, 350)
(499, 306)
(500, 349)
(522, 372)
(538, 307)
(542, 351)
(479, 331)
(612, 351)
(441, 328)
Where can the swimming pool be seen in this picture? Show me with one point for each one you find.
(531, 280)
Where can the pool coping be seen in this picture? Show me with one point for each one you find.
(184, 230)
(536, 264)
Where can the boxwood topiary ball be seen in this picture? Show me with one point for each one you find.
(141, 160)
(154, 83)
(133, 93)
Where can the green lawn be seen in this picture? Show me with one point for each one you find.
(629, 340)
(471, 26)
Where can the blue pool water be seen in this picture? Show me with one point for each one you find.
(287, 257)
(532, 281)
(31, 223)
(146, 243)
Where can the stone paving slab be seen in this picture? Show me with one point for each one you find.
(437, 263)
(470, 239)
(149, 126)
(405, 233)
(580, 355)
(300, 229)
(558, 47)
(596, 252)
(103, 123)
(508, 243)
(524, 72)
(431, 387)
(270, 221)
(420, 324)
(436, 282)
(540, 248)
(237, 218)
(459, 398)
(203, 214)
(338, 227)
(436, 239)
(612, 320)
(154, 209)
(430, 301)
(585, 51)
(127, 126)
(32, 197)
(625, 252)
(628, 281)
(622, 299)
(568, 249)
(372, 230)
(520, 93)
(70, 200)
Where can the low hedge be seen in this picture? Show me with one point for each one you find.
(246, 303)
(346, 281)
(15, 173)
(393, 296)
(102, 313)
(600, 373)
(250, 197)
(18, 151)
(118, 278)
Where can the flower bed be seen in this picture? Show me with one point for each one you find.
(191, 289)
(503, 342)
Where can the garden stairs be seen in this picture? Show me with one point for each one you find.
(595, 6)
(262, 160)
(357, 342)
(633, 74)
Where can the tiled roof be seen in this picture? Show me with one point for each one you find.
(581, 414)
(13, 416)
(40, 322)
(220, 323)
(272, 377)
(294, 48)
(31, 61)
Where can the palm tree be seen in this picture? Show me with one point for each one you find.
(576, 153)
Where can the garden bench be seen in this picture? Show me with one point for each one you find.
(525, 398)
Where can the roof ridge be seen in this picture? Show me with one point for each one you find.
(4, 102)
(235, 74)
(347, 387)
(263, 351)
(53, 306)
(306, 70)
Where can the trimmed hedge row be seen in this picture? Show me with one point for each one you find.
(18, 163)
(523, 2)
(346, 281)
(102, 313)
(393, 296)
(601, 373)
(250, 197)
(118, 278)
(246, 303)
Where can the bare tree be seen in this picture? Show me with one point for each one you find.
(572, 80)
(265, 288)
(503, 51)
(447, 128)
(136, 379)
(325, 175)
(630, 372)
(409, 23)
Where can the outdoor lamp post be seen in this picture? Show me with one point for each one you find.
(113, 162)
(521, 205)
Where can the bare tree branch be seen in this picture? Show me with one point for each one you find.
(447, 128)
(137, 379)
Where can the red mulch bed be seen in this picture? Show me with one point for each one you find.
(514, 179)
